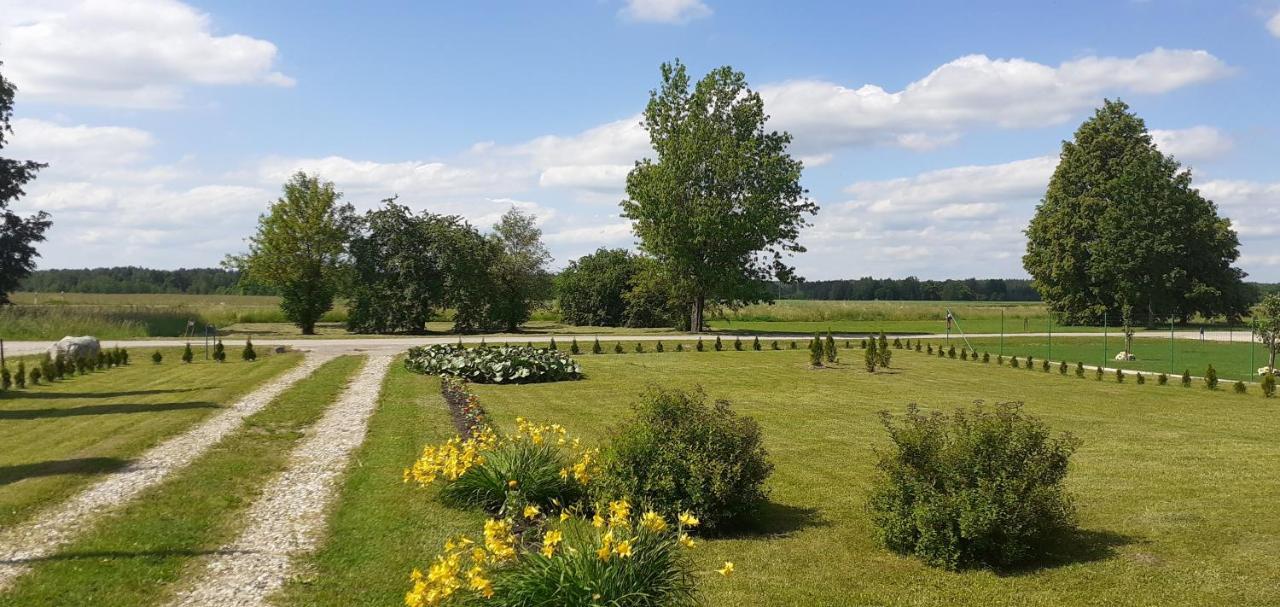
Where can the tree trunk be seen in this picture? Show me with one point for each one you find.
(309, 328)
(699, 306)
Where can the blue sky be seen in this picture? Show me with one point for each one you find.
(928, 129)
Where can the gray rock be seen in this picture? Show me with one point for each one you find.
(75, 348)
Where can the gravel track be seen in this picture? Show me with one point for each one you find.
(52, 528)
(287, 520)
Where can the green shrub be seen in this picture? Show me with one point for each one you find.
(1239, 387)
(964, 354)
(719, 345)
(124, 356)
(815, 352)
(219, 352)
(1141, 379)
(553, 345)
(699, 347)
(1119, 376)
(679, 347)
(1097, 374)
(20, 377)
(737, 343)
(930, 350)
(1062, 368)
(755, 343)
(574, 348)
(596, 348)
(6, 378)
(248, 354)
(1030, 362)
(102, 360)
(1080, 369)
(639, 347)
(864, 344)
(986, 357)
(793, 344)
(1044, 365)
(505, 365)
(917, 345)
(978, 487)
(1211, 378)
(871, 358)
(59, 367)
(1162, 379)
(951, 352)
(829, 349)
(35, 375)
(678, 454)
(1186, 378)
(1268, 383)
(617, 347)
(774, 345)
(897, 343)
(187, 354)
(157, 357)
(659, 347)
(1013, 362)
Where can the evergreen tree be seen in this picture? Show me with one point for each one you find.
(617, 347)
(737, 343)
(1186, 378)
(793, 344)
(1062, 368)
(871, 358)
(1211, 378)
(815, 352)
(35, 375)
(864, 344)
(1030, 362)
(719, 345)
(20, 378)
(884, 355)
(1045, 365)
(1119, 376)
(639, 347)
(1079, 369)
(1097, 374)
(187, 354)
(775, 345)
(897, 343)
(699, 346)
(917, 345)
(1013, 362)
(659, 346)
(964, 355)
(124, 356)
(157, 357)
(1240, 388)
(883, 344)
(829, 349)
(1141, 379)
(986, 357)
(1268, 383)
(59, 366)
(553, 345)
(574, 348)
(679, 347)
(930, 351)
(755, 343)
(248, 354)
(219, 351)
(1162, 379)
(595, 347)
(6, 379)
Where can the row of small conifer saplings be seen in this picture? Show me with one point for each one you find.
(59, 367)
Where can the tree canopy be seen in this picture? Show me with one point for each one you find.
(18, 235)
(300, 249)
(1121, 228)
(721, 206)
(521, 280)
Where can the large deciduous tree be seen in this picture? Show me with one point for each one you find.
(1121, 226)
(591, 290)
(301, 249)
(721, 205)
(18, 234)
(398, 270)
(520, 278)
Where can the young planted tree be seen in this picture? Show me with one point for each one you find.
(883, 354)
(718, 177)
(219, 352)
(248, 353)
(1211, 378)
(829, 349)
(1141, 378)
(1162, 379)
(20, 378)
(6, 379)
(157, 357)
(719, 345)
(35, 375)
(1268, 327)
(737, 343)
(639, 347)
(18, 235)
(300, 249)
(1079, 369)
(595, 347)
(187, 354)
(659, 347)
(617, 347)
(1239, 387)
(574, 348)
(755, 343)
(1186, 378)
(700, 347)
(815, 352)
(1268, 383)
(871, 357)
(679, 347)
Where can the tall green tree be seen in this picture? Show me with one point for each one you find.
(1121, 225)
(1268, 318)
(399, 263)
(18, 235)
(721, 205)
(521, 280)
(300, 249)
(591, 290)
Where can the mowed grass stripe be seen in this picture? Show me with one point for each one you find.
(382, 527)
(59, 438)
(131, 557)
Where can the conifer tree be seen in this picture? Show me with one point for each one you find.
(870, 358)
(6, 379)
(755, 343)
(864, 344)
(1119, 376)
(793, 344)
(553, 345)
(1030, 362)
(1239, 387)
(737, 343)
(775, 345)
(1268, 384)
(20, 378)
(679, 347)
(719, 344)
(1097, 374)
(1044, 365)
(883, 344)
(897, 343)
(829, 349)
(59, 366)
(248, 354)
(35, 375)
(1062, 368)
(883, 354)
(639, 347)
(986, 357)
(574, 348)
(964, 354)
(617, 347)
(1141, 379)
(1186, 378)
(659, 346)
(595, 348)
(917, 345)
(1013, 362)
(930, 351)
(1211, 378)
(1079, 369)
(219, 352)
(699, 346)
(157, 357)
(815, 352)
(187, 354)
(124, 356)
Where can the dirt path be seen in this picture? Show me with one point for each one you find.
(289, 517)
(49, 529)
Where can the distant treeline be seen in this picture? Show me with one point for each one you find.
(195, 281)
(911, 289)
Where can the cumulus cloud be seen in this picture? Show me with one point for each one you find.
(974, 91)
(676, 12)
(1273, 25)
(957, 189)
(125, 53)
(1197, 143)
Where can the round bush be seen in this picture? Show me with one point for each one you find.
(977, 487)
(678, 454)
(504, 365)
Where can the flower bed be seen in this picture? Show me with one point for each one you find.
(504, 365)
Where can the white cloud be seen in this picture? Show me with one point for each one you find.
(974, 91)
(1273, 25)
(1197, 143)
(957, 189)
(125, 53)
(81, 148)
(665, 11)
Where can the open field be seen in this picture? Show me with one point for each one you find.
(58, 438)
(1231, 360)
(154, 539)
(1149, 481)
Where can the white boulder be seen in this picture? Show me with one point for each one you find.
(1126, 356)
(76, 348)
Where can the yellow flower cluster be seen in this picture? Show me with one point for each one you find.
(463, 565)
(452, 459)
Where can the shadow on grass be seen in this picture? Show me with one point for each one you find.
(774, 520)
(103, 410)
(39, 395)
(1073, 547)
(103, 555)
(82, 465)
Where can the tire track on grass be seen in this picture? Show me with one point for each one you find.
(287, 520)
(40, 536)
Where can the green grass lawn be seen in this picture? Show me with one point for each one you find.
(57, 438)
(1176, 487)
(132, 557)
(1231, 360)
